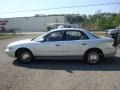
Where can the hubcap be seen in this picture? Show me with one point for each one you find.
(93, 57)
(25, 57)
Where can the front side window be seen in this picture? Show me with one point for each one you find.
(55, 36)
(75, 35)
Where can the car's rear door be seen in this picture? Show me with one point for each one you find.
(75, 43)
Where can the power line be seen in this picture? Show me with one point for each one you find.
(90, 5)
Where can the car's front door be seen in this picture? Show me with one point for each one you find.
(75, 43)
(52, 46)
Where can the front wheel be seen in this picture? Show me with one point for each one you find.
(93, 57)
(25, 56)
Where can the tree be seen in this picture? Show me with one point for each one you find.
(98, 21)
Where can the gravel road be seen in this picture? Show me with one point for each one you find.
(57, 75)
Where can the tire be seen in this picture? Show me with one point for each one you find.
(25, 56)
(93, 57)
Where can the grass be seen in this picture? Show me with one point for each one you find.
(6, 36)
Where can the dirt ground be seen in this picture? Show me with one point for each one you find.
(57, 75)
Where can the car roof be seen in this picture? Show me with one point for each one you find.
(67, 29)
(113, 31)
(79, 29)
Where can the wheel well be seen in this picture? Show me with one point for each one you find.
(20, 50)
(94, 49)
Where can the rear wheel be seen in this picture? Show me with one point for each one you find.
(25, 56)
(93, 57)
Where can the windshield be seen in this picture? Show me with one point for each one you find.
(40, 37)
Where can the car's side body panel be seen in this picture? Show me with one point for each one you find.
(48, 48)
(75, 47)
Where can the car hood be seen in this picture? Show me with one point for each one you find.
(20, 42)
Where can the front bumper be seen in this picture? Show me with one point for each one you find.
(10, 53)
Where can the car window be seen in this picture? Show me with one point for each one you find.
(93, 35)
(55, 36)
(75, 35)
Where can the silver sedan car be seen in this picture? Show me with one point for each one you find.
(63, 43)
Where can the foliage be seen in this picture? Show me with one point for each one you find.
(98, 21)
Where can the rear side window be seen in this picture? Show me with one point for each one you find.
(75, 35)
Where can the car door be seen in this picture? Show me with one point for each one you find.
(75, 43)
(51, 46)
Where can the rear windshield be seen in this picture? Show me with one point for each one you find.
(93, 35)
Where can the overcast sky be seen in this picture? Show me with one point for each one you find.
(23, 5)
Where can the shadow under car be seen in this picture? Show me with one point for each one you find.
(108, 64)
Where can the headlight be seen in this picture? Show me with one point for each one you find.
(9, 47)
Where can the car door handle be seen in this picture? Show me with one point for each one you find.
(84, 44)
(57, 44)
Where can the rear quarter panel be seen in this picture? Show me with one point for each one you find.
(105, 45)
